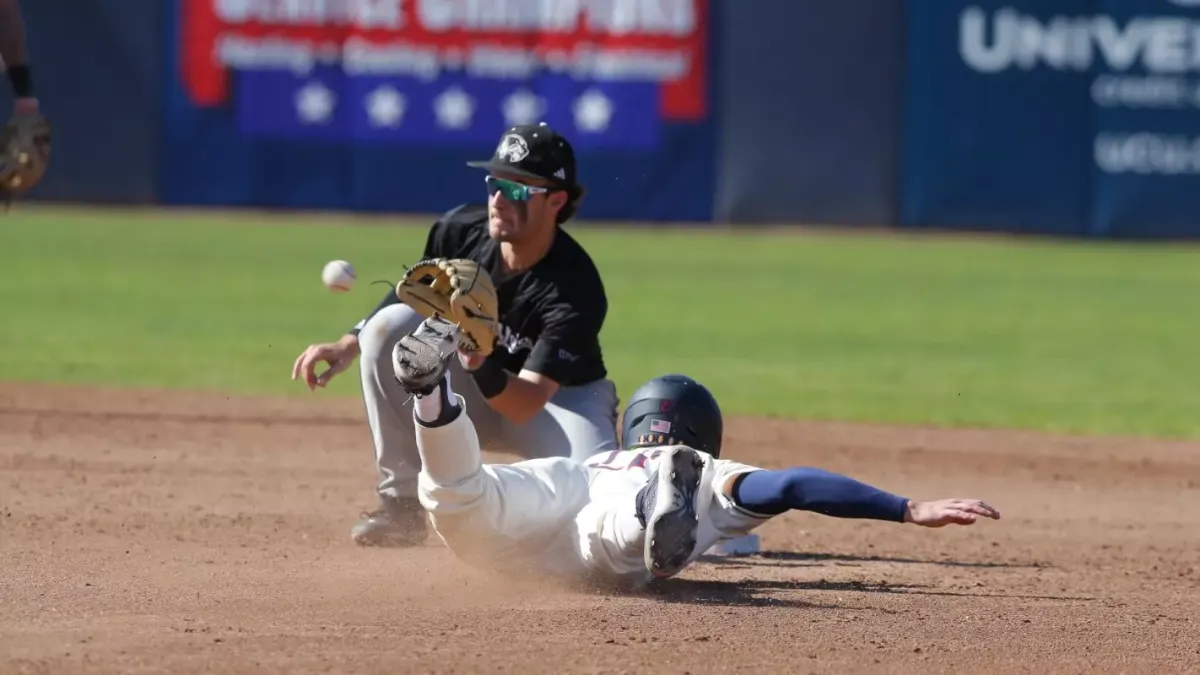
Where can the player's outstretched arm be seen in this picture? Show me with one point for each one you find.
(15, 54)
(12, 35)
(820, 491)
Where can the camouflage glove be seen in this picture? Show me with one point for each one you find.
(459, 291)
(25, 144)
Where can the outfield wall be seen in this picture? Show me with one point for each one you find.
(1075, 117)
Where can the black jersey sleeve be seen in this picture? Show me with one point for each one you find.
(450, 234)
(435, 241)
(569, 347)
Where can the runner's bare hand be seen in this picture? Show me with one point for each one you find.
(949, 512)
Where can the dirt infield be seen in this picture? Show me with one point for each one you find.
(172, 532)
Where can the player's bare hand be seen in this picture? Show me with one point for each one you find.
(337, 355)
(949, 512)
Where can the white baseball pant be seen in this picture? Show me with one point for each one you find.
(555, 515)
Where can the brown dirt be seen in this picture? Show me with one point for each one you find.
(172, 532)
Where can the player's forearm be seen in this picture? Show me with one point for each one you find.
(519, 401)
(817, 490)
(12, 34)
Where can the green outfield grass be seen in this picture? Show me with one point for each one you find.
(1070, 337)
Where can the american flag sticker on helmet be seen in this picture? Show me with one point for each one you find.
(660, 426)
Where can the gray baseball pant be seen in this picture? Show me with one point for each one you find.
(577, 422)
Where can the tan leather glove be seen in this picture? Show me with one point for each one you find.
(460, 291)
(25, 147)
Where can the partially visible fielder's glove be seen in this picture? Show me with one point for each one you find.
(460, 291)
(25, 144)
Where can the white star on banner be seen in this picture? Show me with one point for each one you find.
(386, 106)
(454, 108)
(315, 103)
(523, 107)
(593, 111)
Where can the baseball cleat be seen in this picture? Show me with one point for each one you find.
(420, 358)
(397, 522)
(667, 506)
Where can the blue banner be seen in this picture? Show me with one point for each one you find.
(988, 143)
(1145, 86)
(378, 105)
(810, 134)
(1063, 116)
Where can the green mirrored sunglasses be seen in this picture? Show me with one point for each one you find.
(512, 190)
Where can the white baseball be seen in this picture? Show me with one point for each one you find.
(338, 276)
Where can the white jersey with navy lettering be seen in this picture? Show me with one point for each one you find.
(618, 476)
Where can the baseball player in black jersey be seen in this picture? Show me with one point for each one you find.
(544, 390)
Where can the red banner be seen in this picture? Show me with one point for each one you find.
(602, 40)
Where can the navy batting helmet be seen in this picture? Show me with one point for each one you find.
(673, 409)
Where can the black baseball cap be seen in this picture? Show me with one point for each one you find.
(533, 151)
